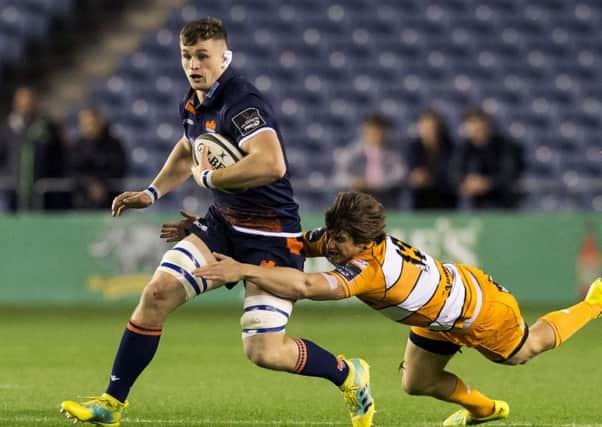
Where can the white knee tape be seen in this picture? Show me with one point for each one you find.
(264, 314)
(180, 261)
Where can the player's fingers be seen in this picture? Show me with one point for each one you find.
(120, 202)
(188, 215)
(117, 202)
(198, 272)
(170, 230)
(204, 271)
(119, 199)
(220, 257)
(204, 160)
(173, 224)
(213, 277)
(120, 209)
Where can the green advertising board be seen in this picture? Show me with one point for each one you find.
(95, 258)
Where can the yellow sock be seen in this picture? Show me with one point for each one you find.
(568, 321)
(477, 404)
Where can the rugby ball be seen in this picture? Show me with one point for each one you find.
(221, 152)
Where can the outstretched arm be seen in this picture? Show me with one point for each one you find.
(176, 168)
(175, 171)
(284, 282)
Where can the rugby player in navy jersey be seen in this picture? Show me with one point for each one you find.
(255, 222)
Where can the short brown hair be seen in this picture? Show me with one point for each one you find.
(203, 29)
(358, 214)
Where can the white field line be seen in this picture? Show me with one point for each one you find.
(234, 422)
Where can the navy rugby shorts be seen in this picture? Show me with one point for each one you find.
(269, 251)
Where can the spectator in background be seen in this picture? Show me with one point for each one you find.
(31, 148)
(97, 159)
(370, 165)
(428, 158)
(485, 168)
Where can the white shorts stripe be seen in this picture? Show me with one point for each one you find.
(265, 233)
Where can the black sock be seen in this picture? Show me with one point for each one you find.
(136, 350)
(314, 361)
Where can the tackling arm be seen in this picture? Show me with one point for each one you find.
(290, 283)
(284, 282)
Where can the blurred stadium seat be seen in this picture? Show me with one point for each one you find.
(25, 20)
(534, 66)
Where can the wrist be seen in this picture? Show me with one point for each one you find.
(206, 178)
(152, 192)
(246, 271)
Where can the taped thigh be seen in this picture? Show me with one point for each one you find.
(264, 314)
(180, 261)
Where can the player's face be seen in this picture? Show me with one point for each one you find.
(341, 248)
(203, 62)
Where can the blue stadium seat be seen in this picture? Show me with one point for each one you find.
(11, 48)
(535, 66)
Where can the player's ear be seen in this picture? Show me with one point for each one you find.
(227, 58)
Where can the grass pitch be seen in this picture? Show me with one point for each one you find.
(200, 376)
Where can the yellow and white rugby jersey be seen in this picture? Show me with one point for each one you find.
(406, 284)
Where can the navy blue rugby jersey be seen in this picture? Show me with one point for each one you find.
(234, 108)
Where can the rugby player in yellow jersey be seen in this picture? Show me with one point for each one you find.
(446, 305)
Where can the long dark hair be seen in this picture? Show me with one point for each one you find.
(442, 130)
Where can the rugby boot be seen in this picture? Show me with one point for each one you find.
(103, 411)
(356, 392)
(594, 294)
(463, 417)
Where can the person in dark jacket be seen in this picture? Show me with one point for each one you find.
(486, 167)
(97, 159)
(31, 148)
(428, 158)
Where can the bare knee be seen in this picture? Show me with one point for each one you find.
(261, 354)
(528, 352)
(158, 299)
(155, 295)
(416, 385)
(541, 338)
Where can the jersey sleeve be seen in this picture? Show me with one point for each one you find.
(247, 117)
(358, 277)
(314, 243)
